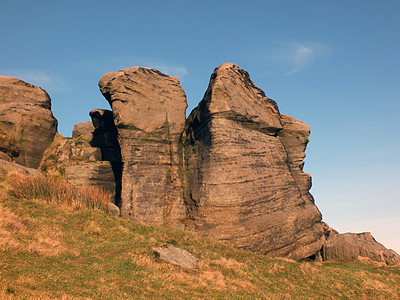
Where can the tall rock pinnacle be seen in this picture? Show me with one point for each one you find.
(244, 184)
(149, 114)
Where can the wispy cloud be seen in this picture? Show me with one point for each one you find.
(294, 57)
(50, 82)
(177, 71)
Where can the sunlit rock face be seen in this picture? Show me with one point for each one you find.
(243, 176)
(232, 171)
(25, 114)
(352, 246)
(149, 113)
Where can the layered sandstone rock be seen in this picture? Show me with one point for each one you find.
(243, 183)
(9, 168)
(25, 114)
(149, 114)
(76, 160)
(294, 137)
(350, 246)
(234, 172)
(83, 131)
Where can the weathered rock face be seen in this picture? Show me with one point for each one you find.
(79, 162)
(243, 180)
(350, 246)
(25, 114)
(294, 137)
(9, 168)
(83, 131)
(233, 172)
(149, 114)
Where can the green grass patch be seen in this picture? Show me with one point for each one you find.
(50, 251)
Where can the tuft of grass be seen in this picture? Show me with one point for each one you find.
(56, 190)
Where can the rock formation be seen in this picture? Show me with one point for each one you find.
(232, 171)
(149, 114)
(9, 168)
(243, 181)
(350, 246)
(79, 162)
(25, 115)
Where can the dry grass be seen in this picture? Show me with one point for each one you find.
(10, 225)
(56, 190)
(49, 252)
(16, 234)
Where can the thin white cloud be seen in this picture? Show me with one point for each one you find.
(177, 71)
(294, 57)
(300, 57)
(49, 82)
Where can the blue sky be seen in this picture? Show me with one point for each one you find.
(332, 64)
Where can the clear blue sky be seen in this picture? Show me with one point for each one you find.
(332, 64)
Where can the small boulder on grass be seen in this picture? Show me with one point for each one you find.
(177, 256)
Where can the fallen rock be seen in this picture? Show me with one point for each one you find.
(240, 187)
(25, 114)
(351, 246)
(177, 256)
(149, 114)
(114, 210)
(9, 168)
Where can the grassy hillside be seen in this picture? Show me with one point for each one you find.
(68, 250)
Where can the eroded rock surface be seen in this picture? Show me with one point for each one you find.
(25, 114)
(149, 114)
(8, 168)
(76, 160)
(233, 172)
(243, 183)
(350, 246)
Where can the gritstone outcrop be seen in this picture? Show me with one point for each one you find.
(226, 174)
(149, 114)
(243, 180)
(76, 160)
(350, 246)
(232, 171)
(26, 117)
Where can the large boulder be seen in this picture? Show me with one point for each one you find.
(149, 114)
(25, 115)
(243, 183)
(8, 169)
(350, 246)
